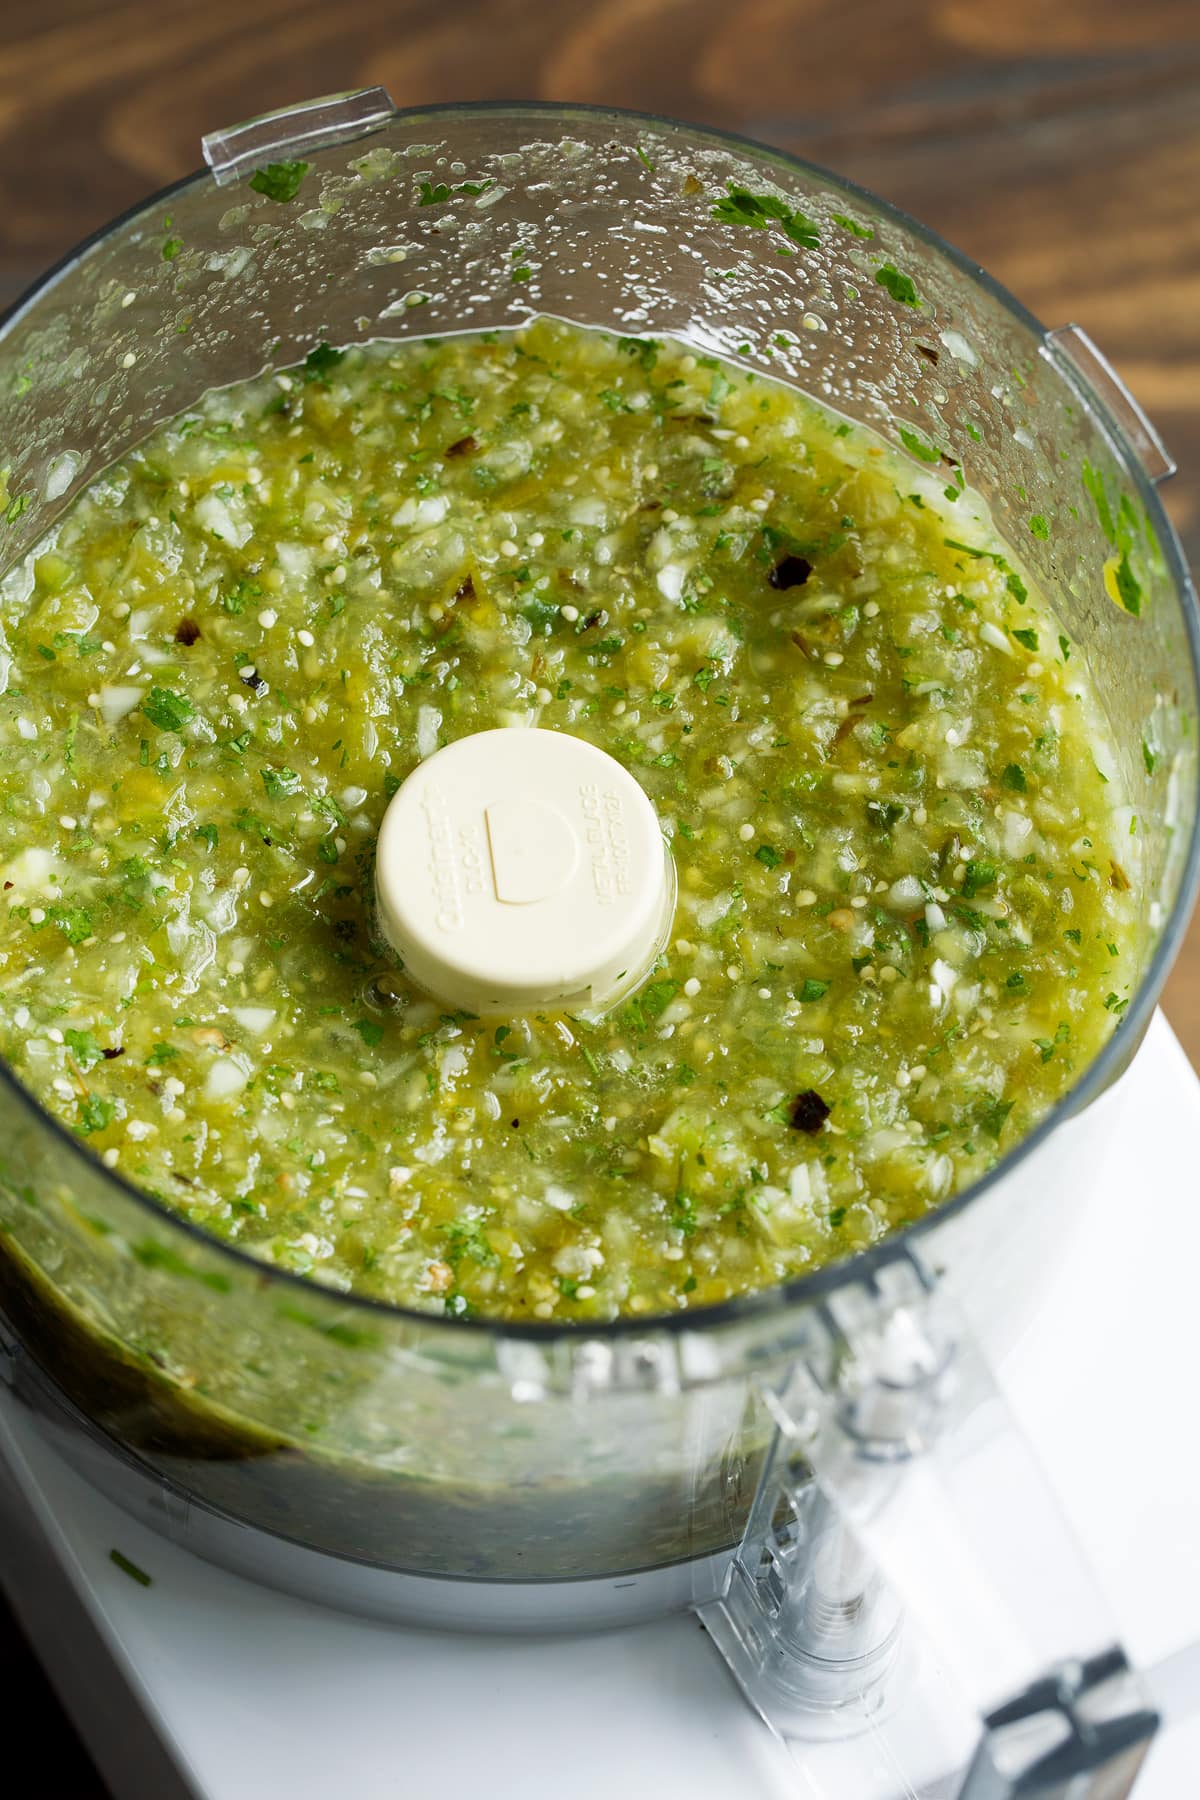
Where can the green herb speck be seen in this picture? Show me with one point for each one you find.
(166, 709)
(899, 286)
(852, 225)
(95, 1114)
(279, 180)
(130, 1568)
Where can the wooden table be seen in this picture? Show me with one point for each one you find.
(1057, 141)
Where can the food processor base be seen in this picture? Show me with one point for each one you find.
(389, 1595)
(210, 1685)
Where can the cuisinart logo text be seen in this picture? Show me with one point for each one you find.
(443, 862)
(607, 840)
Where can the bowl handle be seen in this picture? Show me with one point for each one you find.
(1082, 363)
(898, 1484)
(281, 138)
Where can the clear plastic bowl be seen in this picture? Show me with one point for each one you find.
(233, 1395)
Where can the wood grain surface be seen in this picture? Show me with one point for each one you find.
(1056, 141)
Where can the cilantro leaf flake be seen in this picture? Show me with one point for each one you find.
(762, 211)
(898, 285)
(279, 782)
(852, 225)
(918, 446)
(279, 180)
(320, 360)
(85, 1048)
(166, 709)
(95, 1114)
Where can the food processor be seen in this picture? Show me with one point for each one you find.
(812, 1469)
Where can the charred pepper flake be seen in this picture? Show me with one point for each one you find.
(852, 717)
(463, 446)
(254, 681)
(187, 631)
(112, 1051)
(808, 1112)
(790, 572)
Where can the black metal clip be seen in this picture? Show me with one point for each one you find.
(1080, 1732)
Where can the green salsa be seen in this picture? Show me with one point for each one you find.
(902, 927)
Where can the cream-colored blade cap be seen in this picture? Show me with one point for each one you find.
(517, 869)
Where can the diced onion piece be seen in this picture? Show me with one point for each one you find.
(117, 700)
(433, 509)
(800, 1185)
(32, 868)
(61, 474)
(225, 1079)
(992, 634)
(944, 979)
(939, 1174)
(906, 892)
(216, 517)
(255, 1019)
(429, 723)
(295, 560)
(963, 768)
(587, 512)
(670, 581)
(1016, 829)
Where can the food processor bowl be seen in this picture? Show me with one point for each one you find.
(539, 1474)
